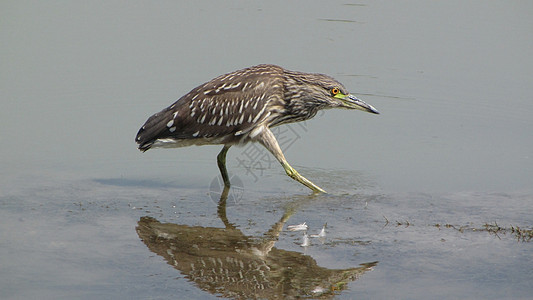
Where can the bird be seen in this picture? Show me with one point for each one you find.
(241, 107)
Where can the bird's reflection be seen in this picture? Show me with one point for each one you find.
(225, 262)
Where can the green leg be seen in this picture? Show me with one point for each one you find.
(267, 138)
(296, 176)
(221, 161)
(221, 210)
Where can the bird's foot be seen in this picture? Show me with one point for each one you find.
(296, 176)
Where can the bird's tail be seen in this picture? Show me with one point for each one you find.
(140, 138)
(144, 147)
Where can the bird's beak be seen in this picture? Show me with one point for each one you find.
(350, 101)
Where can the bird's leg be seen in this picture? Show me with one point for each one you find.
(267, 139)
(221, 209)
(221, 161)
(296, 176)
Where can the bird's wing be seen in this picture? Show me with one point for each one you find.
(226, 107)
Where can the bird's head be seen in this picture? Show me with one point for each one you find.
(343, 99)
(326, 92)
(336, 95)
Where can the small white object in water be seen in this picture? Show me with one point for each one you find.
(318, 290)
(322, 233)
(298, 227)
(305, 242)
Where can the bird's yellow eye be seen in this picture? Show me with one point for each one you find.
(335, 91)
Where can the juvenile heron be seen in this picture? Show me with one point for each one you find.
(241, 107)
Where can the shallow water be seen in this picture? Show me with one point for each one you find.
(77, 238)
(422, 202)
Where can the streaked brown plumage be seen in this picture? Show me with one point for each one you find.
(241, 106)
